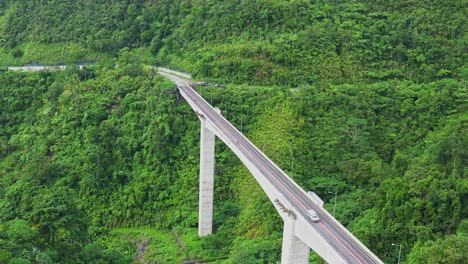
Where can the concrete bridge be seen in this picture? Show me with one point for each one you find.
(302, 231)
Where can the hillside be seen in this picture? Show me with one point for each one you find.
(363, 98)
(261, 42)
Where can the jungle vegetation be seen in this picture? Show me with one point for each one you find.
(365, 99)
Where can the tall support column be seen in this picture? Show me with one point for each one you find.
(207, 163)
(294, 251)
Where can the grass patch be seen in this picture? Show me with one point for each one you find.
(48, 54)
(6, 59)
(164, 246)
(61, 53)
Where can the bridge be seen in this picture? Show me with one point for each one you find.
(327, 237)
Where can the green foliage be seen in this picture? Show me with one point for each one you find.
(19, 261)
(257, 251)
(100, 152)
(377, 115)
(261, 42)
(93, 253)
(451, 249)
(47, 184)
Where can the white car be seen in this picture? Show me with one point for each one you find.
(313, 216)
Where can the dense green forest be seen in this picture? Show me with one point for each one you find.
(257, 42)
(365, 99)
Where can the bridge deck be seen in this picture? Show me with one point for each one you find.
(342, 241)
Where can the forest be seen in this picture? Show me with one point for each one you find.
(360, 101)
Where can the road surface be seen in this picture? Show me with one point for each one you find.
(347, 246)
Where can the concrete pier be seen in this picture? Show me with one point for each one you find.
(294, 251)
(207, 166)
(328, 238)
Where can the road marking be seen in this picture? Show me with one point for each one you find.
(271, 172)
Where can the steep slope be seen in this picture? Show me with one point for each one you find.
(261, 42)
(370, 103)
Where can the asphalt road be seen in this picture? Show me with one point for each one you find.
(345, 245)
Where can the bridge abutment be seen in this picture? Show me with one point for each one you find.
(207, 166)
(294, 251)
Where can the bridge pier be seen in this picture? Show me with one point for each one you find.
(207, 166)
(298, 231)
(293, 251)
